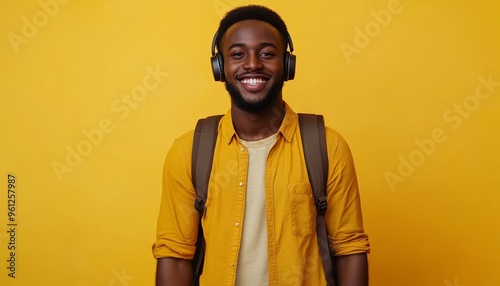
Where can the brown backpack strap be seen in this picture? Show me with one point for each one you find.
(312, 129)
(201, 166)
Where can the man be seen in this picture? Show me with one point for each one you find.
(259, 221)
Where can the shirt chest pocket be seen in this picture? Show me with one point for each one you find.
(302, 210)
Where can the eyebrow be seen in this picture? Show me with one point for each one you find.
(241, 45)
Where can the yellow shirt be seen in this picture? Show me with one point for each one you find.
(293, 253)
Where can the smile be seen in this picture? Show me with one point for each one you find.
(254, 84)
(253, 81)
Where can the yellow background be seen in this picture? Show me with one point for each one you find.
(438, 224)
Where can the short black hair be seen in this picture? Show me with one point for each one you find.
(254, 12)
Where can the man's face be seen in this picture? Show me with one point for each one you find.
(253, 64)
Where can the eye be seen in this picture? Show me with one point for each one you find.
(237, 55)
(267, 55)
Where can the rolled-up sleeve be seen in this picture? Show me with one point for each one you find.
(177, 226)
(343, 217)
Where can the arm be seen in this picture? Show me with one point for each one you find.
(173, 272)
(177, 226)
(352, 270)
(344, 221)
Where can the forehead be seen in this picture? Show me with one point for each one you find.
(252, 31)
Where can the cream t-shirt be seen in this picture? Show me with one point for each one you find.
(252, 259)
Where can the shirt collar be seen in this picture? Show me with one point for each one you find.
(287, 128)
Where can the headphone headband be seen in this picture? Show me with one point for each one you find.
(214, 42)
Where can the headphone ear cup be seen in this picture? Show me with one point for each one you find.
(290, 61)
(218, 67)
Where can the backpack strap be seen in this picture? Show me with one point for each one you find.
(312, 129)
(201, 166)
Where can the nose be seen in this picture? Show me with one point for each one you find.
(253, 62)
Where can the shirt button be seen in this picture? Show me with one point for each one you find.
(232, 264)
(237, 224)
(241, 184)
(242, 150)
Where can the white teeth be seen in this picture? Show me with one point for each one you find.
(253, 81)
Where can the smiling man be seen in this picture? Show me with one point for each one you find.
(254, 65)
(259, 220)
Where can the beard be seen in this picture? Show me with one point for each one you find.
(258, 106)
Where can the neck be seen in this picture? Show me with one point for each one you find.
(257, 126)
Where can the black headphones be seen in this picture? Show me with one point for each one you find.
(218, 61)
